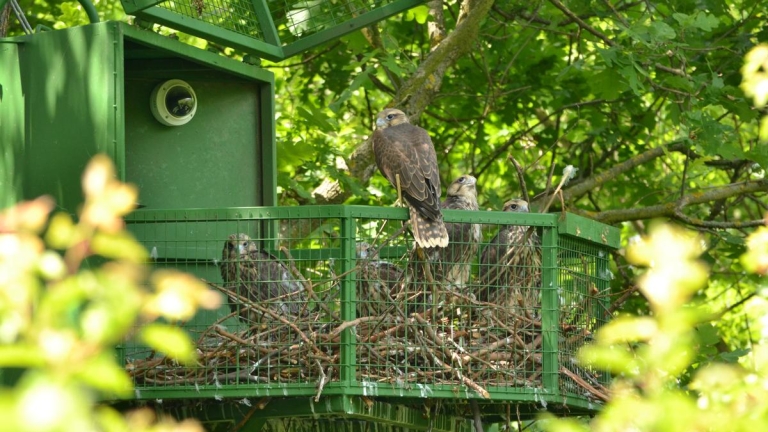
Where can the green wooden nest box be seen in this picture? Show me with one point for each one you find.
(69, 94)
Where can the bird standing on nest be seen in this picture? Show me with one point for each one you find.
(258, 276)
(377, 281)
(406, 156)
(455, 260)
(510, 265)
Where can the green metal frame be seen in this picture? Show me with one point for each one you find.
(554, 228)
(270, 47)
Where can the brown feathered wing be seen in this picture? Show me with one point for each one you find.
(406, 150)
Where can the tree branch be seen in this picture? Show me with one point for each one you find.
(674, 209)
(582, 23)
(414, 94)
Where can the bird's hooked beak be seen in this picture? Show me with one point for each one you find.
(381, 122)
(471, 181)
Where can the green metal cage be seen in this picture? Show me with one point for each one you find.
(272, 29)
(364, 315)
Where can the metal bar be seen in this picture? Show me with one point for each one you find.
(213, 33)
(550, 310)
(359, 22)
(90, 10)
(347, 360)
(266, 22)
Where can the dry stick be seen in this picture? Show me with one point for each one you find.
(308, 287)
(448, 368)
(595, 392)
(245, 419)
(323, 379)
(520, 176)
(274, 315)
(559, 187)
(476, 411)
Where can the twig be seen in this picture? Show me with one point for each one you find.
(520, 176)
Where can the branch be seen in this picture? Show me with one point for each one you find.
(577, 190)
(674, 209)
(582, 23)
(420, 89)
(414, 94)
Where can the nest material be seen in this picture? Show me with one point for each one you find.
(451, 339)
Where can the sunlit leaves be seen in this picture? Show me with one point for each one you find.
(170, 340)
(61, 313)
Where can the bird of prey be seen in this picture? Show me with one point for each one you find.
(377, 282)
(259, 277)
(510, 265)
(405, 155)
(455, 260)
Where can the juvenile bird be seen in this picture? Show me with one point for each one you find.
(406, 157)
(510, 265)
(455, 260)
(258, 276)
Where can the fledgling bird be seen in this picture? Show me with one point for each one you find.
(377, 281)
(258, 276)
(406, 151)
(455, 260)
(510, 265)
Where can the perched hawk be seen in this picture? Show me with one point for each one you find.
(404, 150)
(258, 276)
(456, 259)
(378, 282)
(510, 266)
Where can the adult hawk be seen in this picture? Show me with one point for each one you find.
(510, 266)
(456, 259)
(405, 151)
(259, 277)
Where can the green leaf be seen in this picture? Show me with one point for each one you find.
(661, 31)
(335, 106)
(171, 340)
(759, 154)
(103, 374)
(419, 13)
(705, 21)
(608, 84)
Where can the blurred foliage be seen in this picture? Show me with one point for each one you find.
(550, 91)
(660, 383)
(69, 292)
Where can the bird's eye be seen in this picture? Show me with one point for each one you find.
(513, 206)
(390, 116)
(245, 244)
(462, 179)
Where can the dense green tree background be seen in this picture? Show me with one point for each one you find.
(643, 97)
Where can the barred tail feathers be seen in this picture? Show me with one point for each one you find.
(428, 233)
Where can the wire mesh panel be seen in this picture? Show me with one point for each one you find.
(238, 16)
(273, 29)
(337, 300)
(584, 278)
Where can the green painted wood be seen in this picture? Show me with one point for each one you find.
(12, 131)
(70, 108)
(266, 22)
(348, 298)
(133, 6)
(213, 33)
(588, 229)
(172, 48)
(266, 42)
(550, 310)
